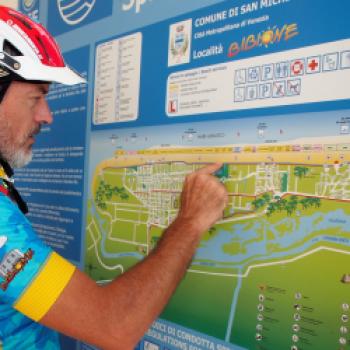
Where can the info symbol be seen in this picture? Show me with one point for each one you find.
(75, 11)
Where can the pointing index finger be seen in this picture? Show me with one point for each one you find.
(210, 169)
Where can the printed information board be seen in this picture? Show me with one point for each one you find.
(261, 86)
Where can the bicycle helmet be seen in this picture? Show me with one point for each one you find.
(28, 52)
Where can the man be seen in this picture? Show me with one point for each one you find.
(40, 289)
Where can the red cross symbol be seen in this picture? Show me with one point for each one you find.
(313, 65)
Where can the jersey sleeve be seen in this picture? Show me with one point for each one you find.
(32, 276)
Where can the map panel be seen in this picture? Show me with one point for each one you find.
(273, 273)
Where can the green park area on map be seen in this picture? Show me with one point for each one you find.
(273, 274)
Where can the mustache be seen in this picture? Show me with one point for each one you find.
(34, 131)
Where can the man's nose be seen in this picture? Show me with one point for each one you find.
(43, 114)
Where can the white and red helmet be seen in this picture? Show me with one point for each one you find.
(29, 52)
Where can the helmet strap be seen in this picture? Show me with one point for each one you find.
(4, 85)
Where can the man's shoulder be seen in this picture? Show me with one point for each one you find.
(9, 212)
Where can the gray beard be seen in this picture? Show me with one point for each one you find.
(20, 159)
(17, 158)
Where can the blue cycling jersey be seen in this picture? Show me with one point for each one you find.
(32, 277)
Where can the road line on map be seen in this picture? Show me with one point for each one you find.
(270, 263)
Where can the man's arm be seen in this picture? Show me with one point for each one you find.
(117, 315)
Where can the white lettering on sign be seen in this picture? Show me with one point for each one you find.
(133, 4)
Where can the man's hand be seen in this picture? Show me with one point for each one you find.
(117, 315)
(203, 198)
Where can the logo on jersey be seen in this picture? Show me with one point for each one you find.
(11, 264)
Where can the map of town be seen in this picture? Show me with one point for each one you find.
(274, 273)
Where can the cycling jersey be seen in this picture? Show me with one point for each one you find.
(32, 277)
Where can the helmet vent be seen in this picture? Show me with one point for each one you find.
(22, 20)
(11, 49)
(43, 47)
